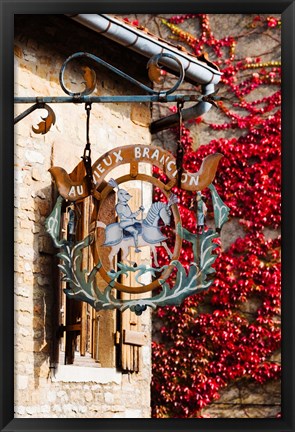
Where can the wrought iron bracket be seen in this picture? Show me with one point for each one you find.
(90, 82)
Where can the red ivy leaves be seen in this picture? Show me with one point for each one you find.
(230, 332)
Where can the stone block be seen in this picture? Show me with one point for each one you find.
(24, 319)
(109, 398)
(38, 194)
(27, 203)
(133, 413)
(57, 408)
(43, 280)
(68, 407)
(45, 245)
(62, 396)
(74, 396)
(18, 176)
(82, 409)
(269, 394)
(28, 267)
(45, 409)
(34, 157)
(36, 229)
(19, 411)
(276, 357)
(42, 71)
(95, 411)
(88, 397)
(230, 394)
(22, 291)
(36, 174)
(22, 382)
(31, 410)
(25, 332)
(23, 251)
(217, 410)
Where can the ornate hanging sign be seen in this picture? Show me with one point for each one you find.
(117, 247)
(113, 249)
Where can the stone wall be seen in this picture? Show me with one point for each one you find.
(42, 43)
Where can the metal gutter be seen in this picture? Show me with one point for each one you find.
(196, 72)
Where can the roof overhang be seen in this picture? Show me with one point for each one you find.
(197, 72)
(149, 45)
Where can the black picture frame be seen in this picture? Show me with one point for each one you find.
(7, 421)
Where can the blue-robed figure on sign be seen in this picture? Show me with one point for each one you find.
(128, 220)
(130, 232)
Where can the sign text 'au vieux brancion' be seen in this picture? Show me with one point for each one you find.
(131, 154)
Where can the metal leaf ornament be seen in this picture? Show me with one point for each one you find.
(90, 80)
(82, 285)
(221, 210)
(154, 72)
(45, 125)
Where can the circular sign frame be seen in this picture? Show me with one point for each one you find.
(177, 245)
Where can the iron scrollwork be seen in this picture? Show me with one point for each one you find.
(90, 80)
(90, 83)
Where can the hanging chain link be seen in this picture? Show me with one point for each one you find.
(180, 149)
(87, 152)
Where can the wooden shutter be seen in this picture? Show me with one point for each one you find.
(80, 324)
(131, 335)
(105, 321)
(110, 337)
(132, 338)
(70, 311)
(78, 316)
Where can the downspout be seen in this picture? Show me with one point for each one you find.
(187, 114)
(196, 72)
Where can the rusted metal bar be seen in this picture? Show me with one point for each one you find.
(40, 101)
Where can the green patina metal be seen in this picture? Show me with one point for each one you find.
(82, 285)
(221, 211)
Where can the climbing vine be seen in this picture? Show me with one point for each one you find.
(231, 332)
